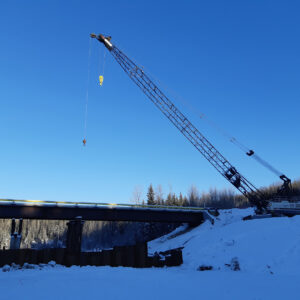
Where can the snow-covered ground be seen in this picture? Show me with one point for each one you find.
(262, 246)
(267, 250)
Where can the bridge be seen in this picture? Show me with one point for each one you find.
(78, 212)
(88, 211)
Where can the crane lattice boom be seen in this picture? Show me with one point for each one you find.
(151, 90)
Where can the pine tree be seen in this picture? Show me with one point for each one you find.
(180, 200)
(185, 201)
(150, 196)
(174, 200)
(169, 199)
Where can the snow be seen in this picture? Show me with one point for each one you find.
(125, 283)
(267, 251)
(261, 245)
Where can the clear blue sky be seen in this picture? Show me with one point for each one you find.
(236, 61)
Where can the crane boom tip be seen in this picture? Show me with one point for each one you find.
(103, 39)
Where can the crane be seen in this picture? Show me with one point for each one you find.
(194, 136)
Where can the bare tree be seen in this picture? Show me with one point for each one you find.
(193, 196)
(137, 195)
(159, 195)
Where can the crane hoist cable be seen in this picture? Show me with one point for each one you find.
(101, 70)
(101, 77)
(87, 94)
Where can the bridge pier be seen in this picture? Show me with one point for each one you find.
(74, 235)
(15, 236)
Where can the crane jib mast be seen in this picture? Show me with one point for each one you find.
(150, 89)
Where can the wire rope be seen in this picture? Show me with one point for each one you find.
(87, 92)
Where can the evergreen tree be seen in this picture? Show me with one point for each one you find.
(180, 200)
(169, 199)
(174, 200)
(185, 201)
(150, 196)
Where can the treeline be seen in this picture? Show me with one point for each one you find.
(272, 189)
(222, 199)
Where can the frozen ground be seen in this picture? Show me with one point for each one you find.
(268, 252)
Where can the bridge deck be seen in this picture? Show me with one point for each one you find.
(50, 210)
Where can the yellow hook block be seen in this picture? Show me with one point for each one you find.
(101, 79)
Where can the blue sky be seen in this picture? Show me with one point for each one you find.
(236, 61)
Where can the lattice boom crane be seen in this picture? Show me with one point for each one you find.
(163, 103)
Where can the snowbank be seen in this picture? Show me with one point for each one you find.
(261, 246)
